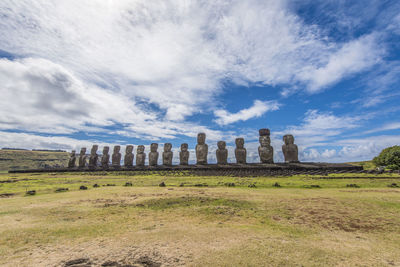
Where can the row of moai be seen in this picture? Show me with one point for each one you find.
(265, 151)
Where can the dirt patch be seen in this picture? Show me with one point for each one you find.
(6, 195)
(371, 190)
(333, 214)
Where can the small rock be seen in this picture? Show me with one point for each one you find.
(82, 187)
(96, 185)
(128, 184)
(31, 192)
(162, 184)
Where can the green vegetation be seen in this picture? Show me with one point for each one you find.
(389, 157)
(339, 219)
(25, 159)
(367, 165)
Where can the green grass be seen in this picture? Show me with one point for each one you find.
(213, 225)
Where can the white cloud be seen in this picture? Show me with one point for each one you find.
(174, 54)
(351, 58)
(385, 127)
(258, 109)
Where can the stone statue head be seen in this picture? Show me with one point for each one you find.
(264, 140)
(83, 151)
(288, 139)
(94, 149)
(221, 144)
(105, 150)
(117, 149)
(167, 147)
(140, 149)
(73, 153)
(184, 147)
(129, 149)
(153, 147)
(239, 142)
(264, 132)
(201, 138)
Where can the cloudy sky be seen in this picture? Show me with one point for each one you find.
(74, 73)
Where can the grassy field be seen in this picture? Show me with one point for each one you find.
(25, 159)
(199, 221)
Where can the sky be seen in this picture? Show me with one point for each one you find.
(116, 72)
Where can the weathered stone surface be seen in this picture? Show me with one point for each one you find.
(167, 154)
(201, 149)
(222, 153)
(82, 157)
(289, 149)
(105, 158)
(153, 155)
(265, 150)
(128, 159)
(184, 154)
(72, 159)
(140, 156)
(264, 131)
(240, 151)
(116, 157)
(93, 156)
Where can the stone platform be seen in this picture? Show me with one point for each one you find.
(250, 169)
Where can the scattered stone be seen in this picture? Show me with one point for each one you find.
(162, 184)
(110, 264)
(5, 195)
(61, 189)
(182, 185)
(353, 185)
(146, 261)
(230, 184)
(393, 185)
(82, 187)
(252, 185)
(276, 185)
(31, 192)
(96, 185)
(109, 185)
(201, 185)
(128, 184)
(78, 262)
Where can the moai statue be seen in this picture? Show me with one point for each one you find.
(116, 157)
(240, 151)
(128, 159)
(167, 154)
(153, 155)
(222, 153)
(265, 150)
(82, 158)
(72, 160)
(93, 156)
(184, 154)
(105, 158)
(201, 149)
(140, 156)
(289, 149)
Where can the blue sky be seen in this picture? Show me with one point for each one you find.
(74, 73)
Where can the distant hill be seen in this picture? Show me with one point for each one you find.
(25, 159)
